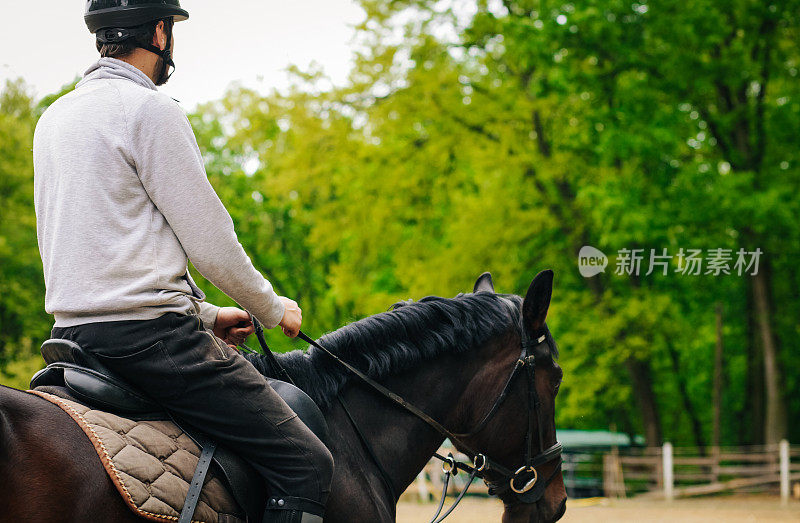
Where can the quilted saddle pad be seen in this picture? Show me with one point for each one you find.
(151, 464)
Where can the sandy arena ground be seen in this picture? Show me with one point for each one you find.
(718, 509)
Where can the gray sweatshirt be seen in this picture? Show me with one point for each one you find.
(122, 199)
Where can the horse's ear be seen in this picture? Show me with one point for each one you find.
(484, 283)
(537, 301)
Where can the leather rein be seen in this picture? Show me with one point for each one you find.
(523, 483)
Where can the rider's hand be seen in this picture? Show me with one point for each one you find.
(233, 325)
(292, 318)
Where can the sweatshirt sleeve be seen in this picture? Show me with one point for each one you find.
(170, 166)
(208, 314)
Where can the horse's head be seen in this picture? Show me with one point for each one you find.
(521, 437)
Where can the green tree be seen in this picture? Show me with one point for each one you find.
(23, 321)
(22, 316)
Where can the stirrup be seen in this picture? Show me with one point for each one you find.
(287, 509)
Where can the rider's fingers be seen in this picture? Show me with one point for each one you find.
(241, 332)
(242, 315)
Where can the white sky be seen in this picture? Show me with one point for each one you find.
(250, 41)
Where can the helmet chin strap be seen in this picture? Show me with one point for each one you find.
(112, 36)
(164, 74)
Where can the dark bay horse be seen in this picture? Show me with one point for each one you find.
(450, 357)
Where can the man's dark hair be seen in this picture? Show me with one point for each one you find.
(126, 47)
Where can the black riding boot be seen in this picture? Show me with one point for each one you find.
(284, 509)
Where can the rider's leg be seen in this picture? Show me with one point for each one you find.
(211, 386)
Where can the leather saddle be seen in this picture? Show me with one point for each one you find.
(90, 382)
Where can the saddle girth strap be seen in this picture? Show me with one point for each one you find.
(196, 486)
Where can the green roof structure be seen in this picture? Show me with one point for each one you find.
(585, 439)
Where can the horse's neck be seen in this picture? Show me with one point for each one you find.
(404, 443)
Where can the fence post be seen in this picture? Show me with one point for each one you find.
(422, 487)
(784, 452)
(668, 472)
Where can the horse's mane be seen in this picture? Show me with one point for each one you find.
(398, 340)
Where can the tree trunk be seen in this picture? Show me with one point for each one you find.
(775, 422)
(751, 426)
(688, 406)
(717, 432)
(643, 390)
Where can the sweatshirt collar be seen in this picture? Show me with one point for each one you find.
(113, 69)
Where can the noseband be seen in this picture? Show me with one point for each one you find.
(523, 484)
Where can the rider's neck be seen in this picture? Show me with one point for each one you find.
(143, 60)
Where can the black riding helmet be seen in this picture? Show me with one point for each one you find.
(114, 21)
(101, 14)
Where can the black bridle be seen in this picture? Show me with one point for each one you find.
(528, 490)
(523, 483)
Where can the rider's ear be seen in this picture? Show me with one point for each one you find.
(484, 283)
(160, 36)
(537, 301)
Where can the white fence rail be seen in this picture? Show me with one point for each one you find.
(665, 472)
(682, 472)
